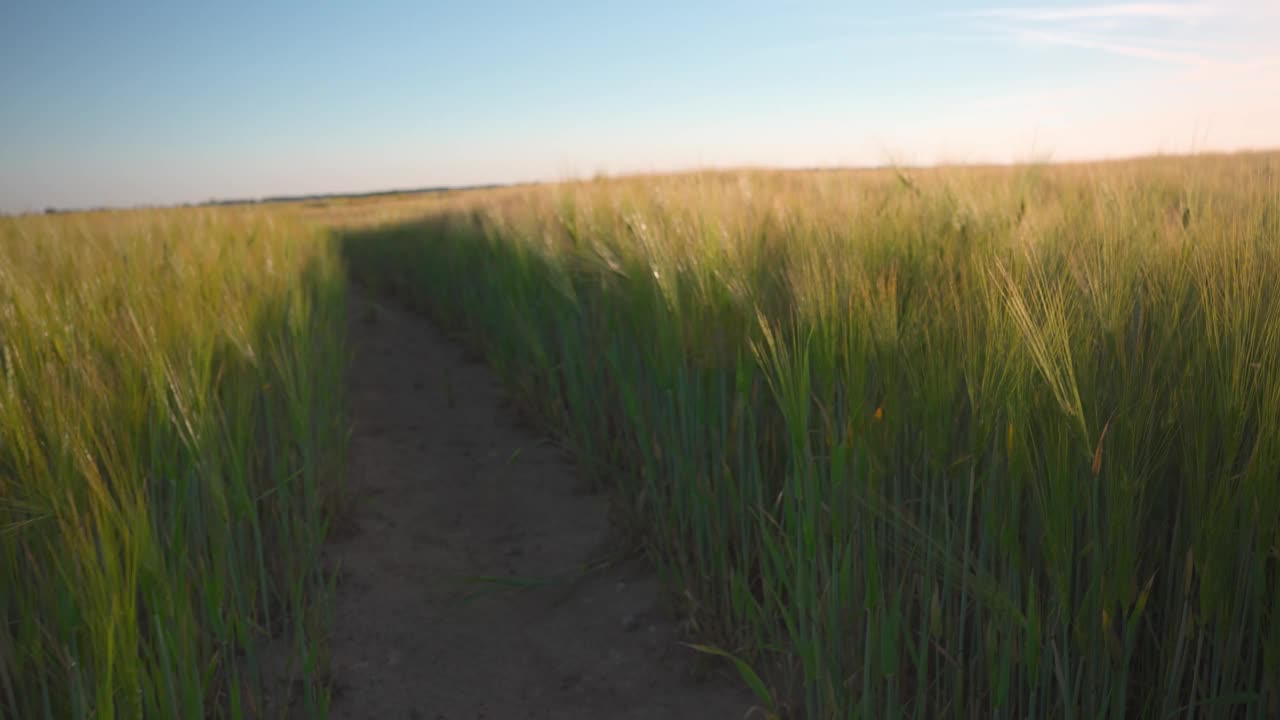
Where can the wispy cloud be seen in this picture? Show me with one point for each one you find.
(1145, 51)
(1194, 35)
(1153, 11)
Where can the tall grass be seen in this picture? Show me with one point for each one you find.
(964, 443)
(170, 423)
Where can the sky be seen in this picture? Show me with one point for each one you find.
(144, 103)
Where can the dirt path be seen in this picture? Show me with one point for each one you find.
(447, 486)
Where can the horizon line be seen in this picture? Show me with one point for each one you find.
(598, 175)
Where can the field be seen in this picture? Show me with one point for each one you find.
(170, 426)
(966, 442)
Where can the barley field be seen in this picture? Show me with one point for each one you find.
(967, 442)
(960, 442)
(170, 429)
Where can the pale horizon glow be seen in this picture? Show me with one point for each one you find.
(166, 104)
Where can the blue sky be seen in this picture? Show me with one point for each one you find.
(153, 103)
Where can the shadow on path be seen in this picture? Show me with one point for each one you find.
(445, 486)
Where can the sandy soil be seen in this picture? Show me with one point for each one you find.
(447, 485)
